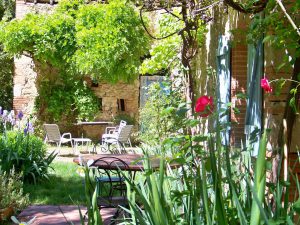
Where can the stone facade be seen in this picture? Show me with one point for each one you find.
(24, 67)
(24, 84)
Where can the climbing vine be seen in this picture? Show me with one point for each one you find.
(7, 12)
(103, 41)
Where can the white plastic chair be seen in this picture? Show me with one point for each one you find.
(120, 138)
(53, 135)
(113, 130)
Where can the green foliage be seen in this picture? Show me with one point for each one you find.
(129, 119)
(6, 80)
(26, 153)
(6, 63)
(110, 41)
(159, 117)
(103, 40)
(7, 9)
(69, 100)
(164, 53)
(214, 185)
(11, 191)
(279, 32)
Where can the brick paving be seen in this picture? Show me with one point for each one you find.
(59, 215)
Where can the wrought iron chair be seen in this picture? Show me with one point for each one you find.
(53, 135)
(110, 180)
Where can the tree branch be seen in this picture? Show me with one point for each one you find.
(288, 16)
(149, 33)
(256, 7)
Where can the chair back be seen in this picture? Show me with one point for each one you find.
(121, 125)
(52, 132)
(111, 170)
(125, 133)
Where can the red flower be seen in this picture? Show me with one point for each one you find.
(204, 105)
(264, 83)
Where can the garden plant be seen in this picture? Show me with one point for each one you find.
(21, 150)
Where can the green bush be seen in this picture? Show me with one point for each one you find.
(11, 191)
(26, 153)
(160, 117)
(129, 119)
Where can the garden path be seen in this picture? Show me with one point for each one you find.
(59, 215)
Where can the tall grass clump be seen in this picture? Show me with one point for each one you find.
(215, 184)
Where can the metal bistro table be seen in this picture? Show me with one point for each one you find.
(134, 161)
(93, 123)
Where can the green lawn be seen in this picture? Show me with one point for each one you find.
(65, 186)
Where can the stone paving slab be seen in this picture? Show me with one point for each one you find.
(45, 214)
(59, 215)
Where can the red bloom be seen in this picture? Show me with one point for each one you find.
(204, 105)
(264, 83)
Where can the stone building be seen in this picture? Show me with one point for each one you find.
(115, 99)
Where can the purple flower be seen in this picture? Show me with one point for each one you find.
(1, 111)
(29, 128)
(11, 116)
(20, 115)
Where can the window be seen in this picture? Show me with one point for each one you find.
(121, 105)
(95, 84)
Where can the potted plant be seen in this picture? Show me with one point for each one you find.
(11, 194)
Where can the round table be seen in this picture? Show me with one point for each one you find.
(135, 162)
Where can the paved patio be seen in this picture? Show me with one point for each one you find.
(63, 214)
(59, 215)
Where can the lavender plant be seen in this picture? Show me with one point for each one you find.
(21, 149)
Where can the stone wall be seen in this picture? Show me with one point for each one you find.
(24, 85)
(24, 68)
(117, 99)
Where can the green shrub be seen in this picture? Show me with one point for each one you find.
(26, 153)
(11, 191)
(160, 117)
(129, 119)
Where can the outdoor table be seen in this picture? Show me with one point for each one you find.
(92, 123)
(82, 140)
(134, 161)
(95, 123)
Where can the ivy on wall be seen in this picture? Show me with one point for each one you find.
(7, 12)
(103, 41)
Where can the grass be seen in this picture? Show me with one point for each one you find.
(65, 187)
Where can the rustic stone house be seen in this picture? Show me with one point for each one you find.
(115, 99)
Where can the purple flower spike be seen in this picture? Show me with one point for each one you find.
(29, 128)
(1, 111)
(20, 115)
